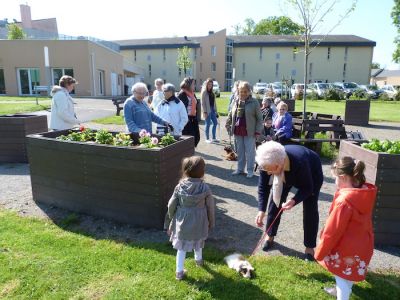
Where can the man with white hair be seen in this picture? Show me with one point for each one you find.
(158, 95)
(137, 113)
(285, 167)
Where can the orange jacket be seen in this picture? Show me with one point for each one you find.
(347, 241)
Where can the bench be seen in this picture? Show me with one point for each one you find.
(117, 101)
(40, 88)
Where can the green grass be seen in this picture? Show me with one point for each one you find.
(12, 108)
(40, 260)
(118, 120)
(26, 98)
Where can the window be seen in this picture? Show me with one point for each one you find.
(149, 70)
(195, 53)
(213, 51)
(310, 70)
(201, 67)
(260, 53)
(213, 67)
(134, 55)
(276, 69)
(164, 57)
(346, 51)
(244, 69)
(329, 53)
(148, 57)
(2, 83)
(278, 56)
(344, 70)
(27, 79)
(57, 73)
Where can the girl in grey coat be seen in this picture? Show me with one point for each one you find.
(191, 213)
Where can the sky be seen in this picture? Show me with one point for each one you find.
(131, 19)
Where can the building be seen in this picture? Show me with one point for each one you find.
(265, 58)
(383, 77)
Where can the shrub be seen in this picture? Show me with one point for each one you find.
(333, 94)
(384, 97)
(359, 93)
(313, 95)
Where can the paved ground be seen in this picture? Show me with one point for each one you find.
(236, 198)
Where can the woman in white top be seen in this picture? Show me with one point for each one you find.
(171, 110)
(62, 106)
(158, 95)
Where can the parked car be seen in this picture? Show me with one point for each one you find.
(390, 90)
(276, 88)
(296, 88)
(371, 90)
(319, 88)
(348, 87)
(216, 89)
(260, 88)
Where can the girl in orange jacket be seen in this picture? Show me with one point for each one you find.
(347, 241)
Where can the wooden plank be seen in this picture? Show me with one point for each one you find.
(357, 152)
(387, 226)
(382, 238)
(385, 201)
(15, 158)
(388, 188)
(386, 214)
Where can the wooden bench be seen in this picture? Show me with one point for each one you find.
(119, 101)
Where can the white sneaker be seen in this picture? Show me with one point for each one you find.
(250, 175)
(208, 141)
(215, 141)
(237, 172)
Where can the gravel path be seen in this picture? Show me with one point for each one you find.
(236, 198)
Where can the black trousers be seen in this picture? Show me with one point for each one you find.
(192, 128)
(310, 216)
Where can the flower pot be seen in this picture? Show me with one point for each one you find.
(382, 169)
(291, 103)
(13, 129)
(357, 112)
(125, 184)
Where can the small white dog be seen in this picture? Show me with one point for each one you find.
(237, 262)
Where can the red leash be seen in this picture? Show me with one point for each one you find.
(265, 233)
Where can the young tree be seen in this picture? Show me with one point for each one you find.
(277, 25)
(395, 14)
(375, 65)
(312, 14)
(184, 62)
(15, 32)
(246, 29)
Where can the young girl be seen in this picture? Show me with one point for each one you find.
(191, 213)
(347, 241)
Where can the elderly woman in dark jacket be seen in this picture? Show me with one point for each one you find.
(193, 107)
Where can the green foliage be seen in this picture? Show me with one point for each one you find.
(167, 139)
(333, 94)
(395, 14)
(384, 97)
(313, 95)
(277, 26)
(122, 139)
(84, 135)
(104, 137)
(383, 146)
(375, 65)
(328, 150)
(15, 32)
(359, 93)
(184, 62)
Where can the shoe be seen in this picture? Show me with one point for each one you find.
(208, 142)
(268, 245)
(309, 257)
(200, 263)
(237, 172)
(215, 141)
(180, 275)
(250, 175)
(331, 291)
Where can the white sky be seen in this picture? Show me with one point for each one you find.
(129, 19)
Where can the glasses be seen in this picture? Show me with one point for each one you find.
(141, 93)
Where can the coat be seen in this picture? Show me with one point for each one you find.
(174, 112)
(205, 102)
(191, 210)
(62, 110)
(347, 241)
(252, 112)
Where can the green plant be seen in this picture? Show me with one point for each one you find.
(384, 97)
(383, 146)
(333, 94)
(167, 139)
(122, 139)
(104, 137)
(312, 96)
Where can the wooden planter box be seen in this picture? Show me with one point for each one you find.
(13, 129)
(357, 112)
(291, 103)
(382, 169)
(125, 184)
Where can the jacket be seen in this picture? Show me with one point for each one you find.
(184, 98)
(285, 127)
(347, 241)
(62, 114)
(174, 112)
(191, 210)
(205, 102)
(254, 120)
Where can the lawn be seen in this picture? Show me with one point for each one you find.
(40, 260)
(12, 108)
(24, 98)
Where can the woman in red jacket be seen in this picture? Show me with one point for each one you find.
(347, 241)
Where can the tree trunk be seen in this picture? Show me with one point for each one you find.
(305, 73)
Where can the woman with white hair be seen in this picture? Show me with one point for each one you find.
(281, 168)
(282, 123)
(158, 95)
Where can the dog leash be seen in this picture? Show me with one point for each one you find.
(265, 233)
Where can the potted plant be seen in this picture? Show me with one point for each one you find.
(107, 174)
(382, 161)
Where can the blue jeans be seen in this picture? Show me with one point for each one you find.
(211, 116)
(246, 152)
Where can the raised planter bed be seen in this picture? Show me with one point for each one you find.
(125, 184)
(291, 103)
(382, 169)
(357, 112)
(13, 129)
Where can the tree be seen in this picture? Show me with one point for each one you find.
(312, 14)
(375, 65)
(246, 29)
(184, 62)
(15, 32)
(395, 14)
(277, 25)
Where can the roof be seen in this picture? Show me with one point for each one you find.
(375, 72)
(389, 73)
(158, 43)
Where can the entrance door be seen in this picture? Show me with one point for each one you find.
(27, 79)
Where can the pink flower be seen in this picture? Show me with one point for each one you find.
(143, 133)
(154, 140)
(148, 134)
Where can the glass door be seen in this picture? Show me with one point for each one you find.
(27, 79)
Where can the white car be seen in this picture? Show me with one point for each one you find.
(319, 88)
(260, 88)
(390, 90)
(276, 88)
(216, 89)
(297, 87)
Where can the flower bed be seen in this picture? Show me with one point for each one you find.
(382, 169)
(129, 184)
(13, 129)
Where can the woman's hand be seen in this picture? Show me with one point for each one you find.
(288, 204)
(260, 219)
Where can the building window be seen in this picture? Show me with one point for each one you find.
(244, 69)
(213, 51)
(134, 55)
(329, 53)
(276, 69)
(57, 73)
(201, 67)
(346, 51)
(260, 53)
(164, 56)
(310, 70)
(2, 83)
(149, 70)
(27, 79)
(148, 57)
(213, 67)
(195, 53)
(278, 56)
(344, 70)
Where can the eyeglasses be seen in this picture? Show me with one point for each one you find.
(141, 93)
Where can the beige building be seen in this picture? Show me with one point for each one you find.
(383, 77)
(100, 71)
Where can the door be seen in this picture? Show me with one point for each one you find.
(27, 79)
(114, 84)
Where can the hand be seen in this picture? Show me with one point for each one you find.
(288, 204)
(260, 219)
(170, 127)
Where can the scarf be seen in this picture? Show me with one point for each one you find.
(193, 102)
(277, 187)
(240, 109)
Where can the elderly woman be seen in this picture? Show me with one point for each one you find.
(171, 110)
(137, 113)
(285, 167)
(245, 122)
(193, 107)
(62, 106)
(282, 123)
(209, 107)
(158, 95)
(266, 108)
